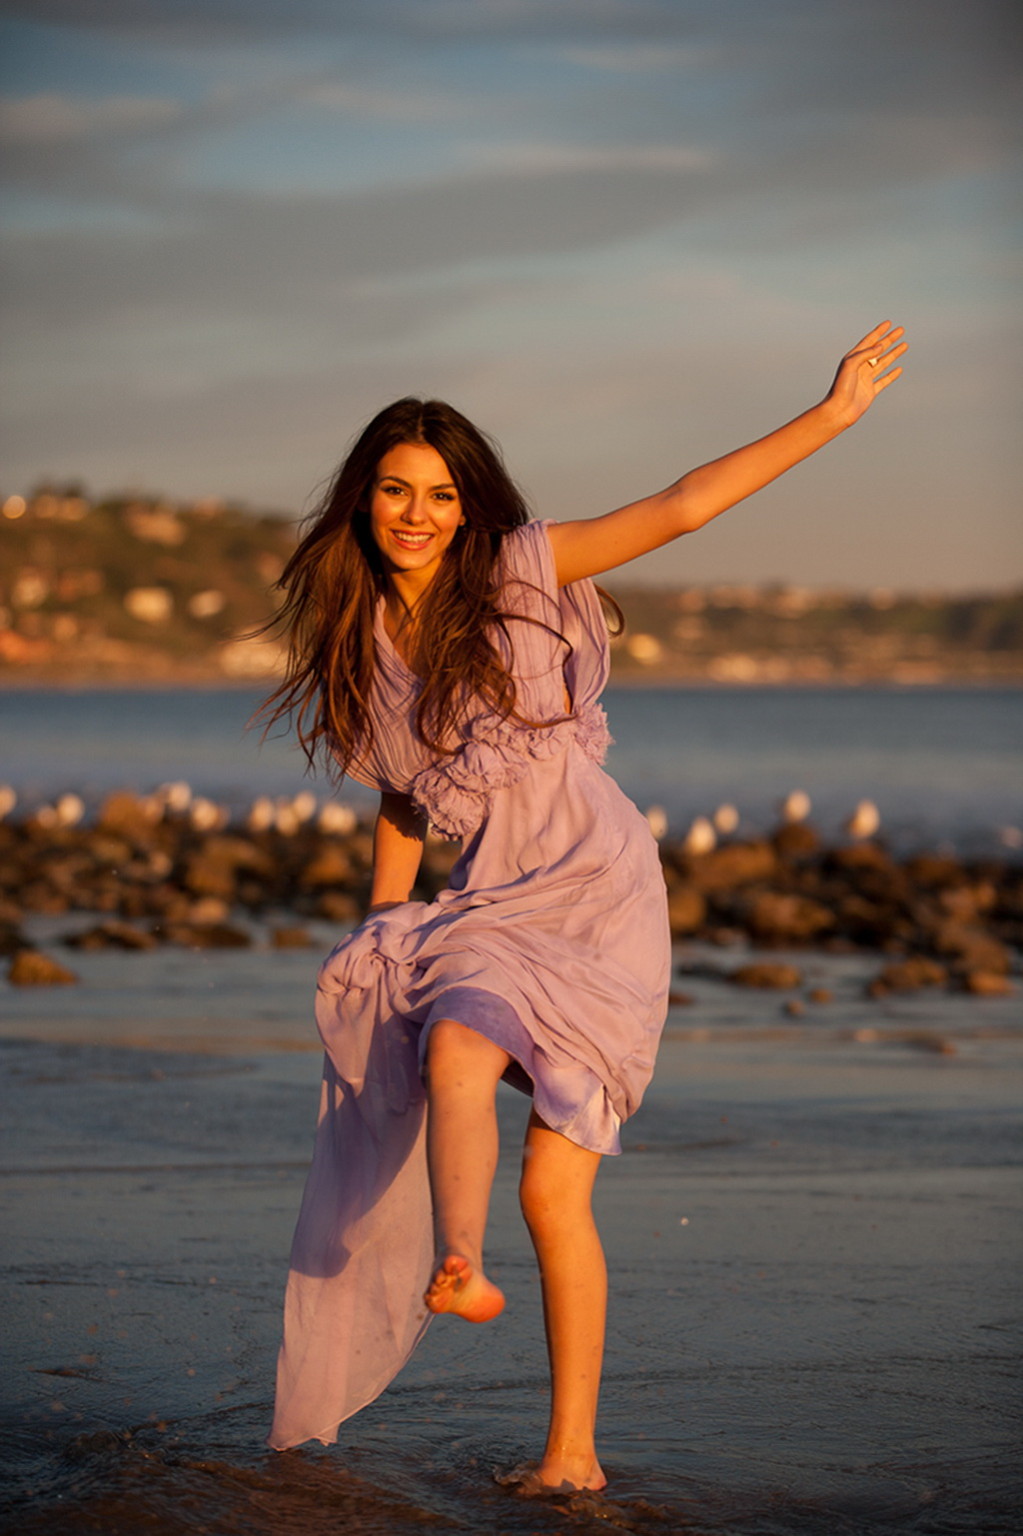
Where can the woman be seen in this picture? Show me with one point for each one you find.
(449, 653)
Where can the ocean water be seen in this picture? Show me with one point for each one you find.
(941, 764)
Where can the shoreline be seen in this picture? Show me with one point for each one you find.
(201, 1003)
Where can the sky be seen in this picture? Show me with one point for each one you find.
(623, 236)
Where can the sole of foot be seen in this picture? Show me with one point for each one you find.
(463, 1291)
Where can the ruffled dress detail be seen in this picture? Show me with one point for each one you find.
(551, 940)
(456, 792)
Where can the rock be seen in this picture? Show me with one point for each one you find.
(111, 935)
(11, 938)
(240, 852)
(776, 919)
(291, 938)
(733, 865)
(794, 1008)
(434, 872)
(203, 935)
(936, 1045)
(687, 909)
(207, 875)
(329, 866)
(29, 968)
(837, 945)
(932, 870)
(723, 937)
(169, 904)
(871, 923)
(855, 857)
(680, 1000)
(38, 897)
(908, 975)
(796, 840)
(107, 850)
(212, 870)
(965, 903)
(768, 974)
(971, 948)
(821, 995)
(988, 984)
(338, 907)
(128, 814)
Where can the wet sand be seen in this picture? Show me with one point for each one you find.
(813, 1241)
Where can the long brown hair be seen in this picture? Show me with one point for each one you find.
(333, 581)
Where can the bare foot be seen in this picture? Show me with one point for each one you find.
(555, 1474)
(459, 1288)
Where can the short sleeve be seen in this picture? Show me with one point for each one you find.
(573, 611)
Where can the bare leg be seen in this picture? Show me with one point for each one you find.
(556, 1193)
(463, 1070)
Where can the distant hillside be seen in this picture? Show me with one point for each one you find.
(124, 588)
(131, 589)
(790, 634)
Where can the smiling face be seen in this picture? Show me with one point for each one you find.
(414, 512)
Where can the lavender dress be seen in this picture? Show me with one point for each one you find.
(552, 940)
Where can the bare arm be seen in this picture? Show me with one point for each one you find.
(592, 545)
(397, 851)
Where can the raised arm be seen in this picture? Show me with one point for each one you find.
(592, 545)
(397, 851)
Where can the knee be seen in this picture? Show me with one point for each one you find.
(456, 1053)
(443, 1039)
(449, 1041)
(541, 1198)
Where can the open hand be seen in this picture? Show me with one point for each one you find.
(866, 370)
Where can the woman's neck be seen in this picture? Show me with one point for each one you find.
(401, 602)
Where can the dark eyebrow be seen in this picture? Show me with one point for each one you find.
(445, 485)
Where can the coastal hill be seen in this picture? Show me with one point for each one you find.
(137, 589)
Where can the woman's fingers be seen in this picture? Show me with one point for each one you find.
(880, 337)
(879, 362)
(877, 344)
(874, 355)
(889, 378)
(868, 368)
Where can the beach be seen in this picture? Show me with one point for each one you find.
(813, 1243)
(812, 1235)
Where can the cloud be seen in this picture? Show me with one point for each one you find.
(50, 118)
(512, 198)
(226, 251)
(199, 20)
(637, 58)
(554, 159)
(394, 105)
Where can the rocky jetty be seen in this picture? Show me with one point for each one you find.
(159, 870)
(942, 921)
